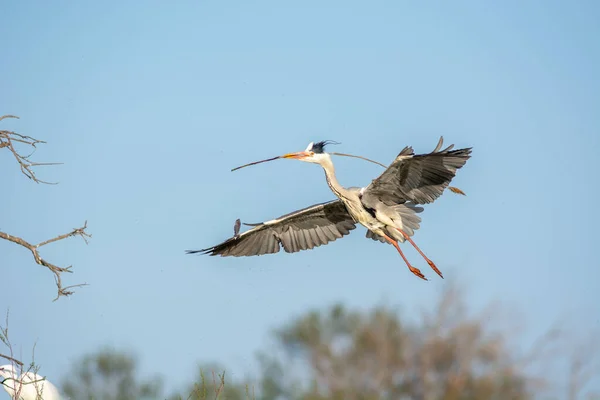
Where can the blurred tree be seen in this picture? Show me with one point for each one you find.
(212, 383)
(108, 375)
(374, 355)
(341, 354)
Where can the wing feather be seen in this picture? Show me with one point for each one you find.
(300, 230)
(420, 178)
(374, 236)
(321, 235)
(301, 240)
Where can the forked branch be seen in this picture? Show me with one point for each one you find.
(11, 141)
(57, 271)
(8, 139)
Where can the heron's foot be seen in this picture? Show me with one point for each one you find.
(412, 269)
(433, 267)
(431, 264)
(417, 272)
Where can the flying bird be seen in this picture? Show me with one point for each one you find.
(29, 385)
(387, 207)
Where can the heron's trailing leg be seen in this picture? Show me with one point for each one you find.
(431, 264)
(414, 270)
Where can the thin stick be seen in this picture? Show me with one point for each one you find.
(362, 158)
(336, 154)
(256, 162)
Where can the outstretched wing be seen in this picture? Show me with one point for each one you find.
(300, 230)
(419, 178)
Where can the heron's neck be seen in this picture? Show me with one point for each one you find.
(332, 181)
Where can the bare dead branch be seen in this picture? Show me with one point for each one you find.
(5, 339)
(13, 383)
(8, 140)
(57, 271)
(11, 359)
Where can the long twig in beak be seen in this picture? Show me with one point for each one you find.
(255, 162)
(336, 154)
(362, 158)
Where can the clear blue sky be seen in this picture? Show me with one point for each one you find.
(149, 107)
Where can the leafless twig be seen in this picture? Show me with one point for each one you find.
(4, 339)
(57, 271)
(12, 359)
(15, 383)
(8, 140)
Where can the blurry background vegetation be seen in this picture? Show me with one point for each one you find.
(337, 353)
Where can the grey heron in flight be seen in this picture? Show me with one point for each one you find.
(387, 207)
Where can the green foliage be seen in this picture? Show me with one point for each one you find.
(108, 375)
(213, 385)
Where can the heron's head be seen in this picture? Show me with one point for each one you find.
(314, 153)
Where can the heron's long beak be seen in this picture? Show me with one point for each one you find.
(297, 155)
